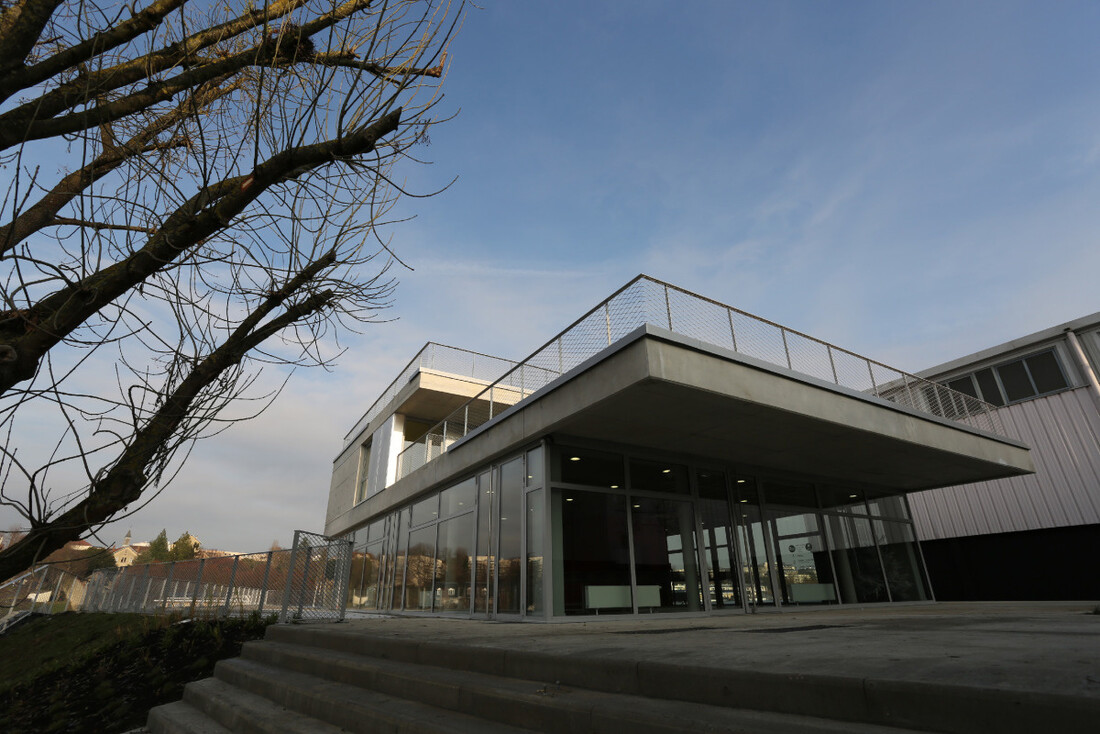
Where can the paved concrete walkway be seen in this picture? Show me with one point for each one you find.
(1039, 647)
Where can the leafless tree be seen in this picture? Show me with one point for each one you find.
(190, 191)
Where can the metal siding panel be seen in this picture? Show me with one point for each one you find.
(1064, 432)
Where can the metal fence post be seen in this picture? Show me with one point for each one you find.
(607, 318)
(733, 334)
(198, 588)
(343, 581)
(786, 349)
(832, 363)
(56, 591)
(263, 587)
(668, 309)
(145, 580)
(232, 582)
(871, 372)
(290, 576)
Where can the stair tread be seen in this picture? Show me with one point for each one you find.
(592, 710)
(352, 707)
(239, 709)
(180, 717)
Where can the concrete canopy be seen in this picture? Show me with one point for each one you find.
(659, 390)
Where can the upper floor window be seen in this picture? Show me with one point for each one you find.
(1020, 379)
(364, 472)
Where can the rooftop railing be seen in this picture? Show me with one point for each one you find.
(439, 357)
(645, 300)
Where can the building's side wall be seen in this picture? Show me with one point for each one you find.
(341, 492)
(1064, 432)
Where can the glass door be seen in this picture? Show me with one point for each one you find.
(719, 541)
(757, 566)
(802, 561)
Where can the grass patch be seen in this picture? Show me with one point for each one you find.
(103, 672)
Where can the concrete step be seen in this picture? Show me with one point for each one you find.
(181, 717)
(538, 706)
(351, 708)
(907, 704)
(244, 712)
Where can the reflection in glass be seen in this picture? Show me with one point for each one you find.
(452, 581)
(800, 554)
(534, 551)
(592, 541)
(483, 572)
(510, 553)
(425, 510)
(892, 507)
(534, 467)
(858, 571)
(401, 539)
(665, 562)
(901, 561)
(718, 540)
(459, 498)
(755, 568)
(594, 468)
(420, 569)
(659, 476)
(842, 499)
(365, 571)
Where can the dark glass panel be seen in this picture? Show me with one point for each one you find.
(594, 468)
(459, 498)
(452, 582)
(964, 385)
(1046, 373)
(858, 571)
(666, 565)
(988, 383)
(535, 515)
(711, 484)
(804, 572)
(901, 561)
(510, 552)
(595, 557)
(751, 542)
(719, 540)
(534, 467)
(420, 569)
(425, 510)
(485, 558)
(1015, 380)
(659, 476)
(842, 499)
(892, 507)
(398, 579)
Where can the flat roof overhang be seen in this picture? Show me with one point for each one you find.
(663, 391)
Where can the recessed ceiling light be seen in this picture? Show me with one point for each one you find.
(568, 499)
(665, 471)
(744, 501)
(852, 496)
(614, 486)
(637, 506)
(574, 458)
(740, 481)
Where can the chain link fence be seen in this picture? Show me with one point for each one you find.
(646, 300)
(306, 583)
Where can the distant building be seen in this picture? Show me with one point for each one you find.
(1032, 536)
(666, 453)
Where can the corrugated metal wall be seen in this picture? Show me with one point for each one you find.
(1063, 431)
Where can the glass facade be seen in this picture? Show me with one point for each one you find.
(559, 531)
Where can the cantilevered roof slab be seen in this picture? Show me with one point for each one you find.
(664, 391)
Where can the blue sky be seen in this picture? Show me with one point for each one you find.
(914, 182)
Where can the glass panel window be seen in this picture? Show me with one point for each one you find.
(452, 581)
(486, 559)
(892, 507)
(666, 565)
(842, 499)
(376, 530)
(964, 385)
(535, 516)
(459, 498)
(534, 467)
(1046, 373)
(398, 578)
(858, 571)
(420, 569)
(718, 540)
(1016, 382)
(659, 476)
(425, 510)
(510, 556)
(364, 472)
(901, 561)
(592, 541)
(594, 468)
(988, 384)
(366, 567)
(755, 566)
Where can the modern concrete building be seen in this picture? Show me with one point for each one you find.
(1033, 536)
(664, 453)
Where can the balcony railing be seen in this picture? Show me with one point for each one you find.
(439, 357)
(646, 300)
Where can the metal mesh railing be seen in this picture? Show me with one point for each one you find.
(440, 358)
(646, 300)
(305, 583)
(43, 590)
